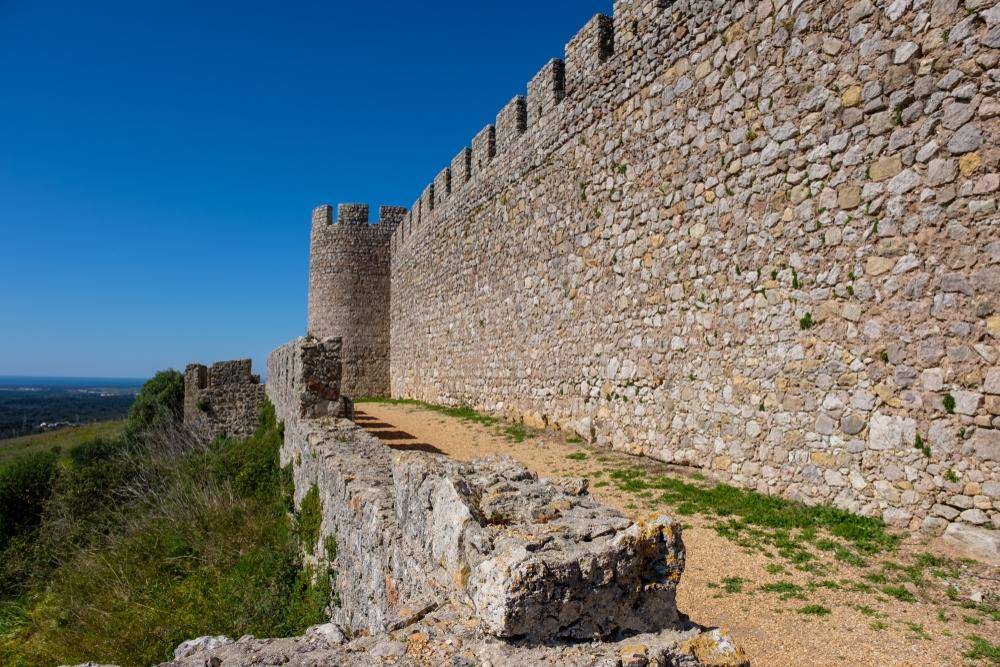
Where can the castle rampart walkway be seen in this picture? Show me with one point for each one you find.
(722, 580)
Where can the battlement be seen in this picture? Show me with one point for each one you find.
(484, 147)
(222, 400)
(586, 51)
(357, 215)
(580, 73)
(461, 167)
(442, 186)
(352, 214)
(512, 121)
(546, 90)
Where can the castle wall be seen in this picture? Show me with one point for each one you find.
(224, 400)
(303, 380)
(755, 237)
(522, 558)
(349, 292)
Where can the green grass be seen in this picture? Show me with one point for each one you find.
(899, 593)
(65, 440)
(917, 630)
(144, 544)
(761, 522)
(983, 649)
(463, 412)
(733, 584)
(577, 456)
(516, 432)
(814, 610)
(310, 517)
(785, 589)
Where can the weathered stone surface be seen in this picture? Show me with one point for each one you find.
(190, 647)
(446, 637)
(885, 168)
(968, 138)
(888, 432)
(534, 561)
(224, 400)
(304, 379)
(992, 382)
(986, 443)
(979, 543)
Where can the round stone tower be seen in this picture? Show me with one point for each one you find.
(349, 291)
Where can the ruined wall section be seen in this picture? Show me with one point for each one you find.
(349, 291)
(522, 557)
(303, 380)
(224, 400)
(758, 238)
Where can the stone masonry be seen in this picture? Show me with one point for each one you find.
(224, 400)
(349, 291)
(484, 553)
(303, 380)
(759, 238)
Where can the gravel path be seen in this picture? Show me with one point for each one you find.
(721, 584)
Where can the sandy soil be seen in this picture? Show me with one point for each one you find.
(861, 628)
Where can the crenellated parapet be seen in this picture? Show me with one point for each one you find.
(222, 400)
(594, 60)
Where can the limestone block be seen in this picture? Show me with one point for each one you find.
(986, 443)
(979, 543)
(533, 560)
(992, 383)
(888, 432)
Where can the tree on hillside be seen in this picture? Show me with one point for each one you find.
(159, 404)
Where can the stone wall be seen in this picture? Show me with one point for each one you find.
(349, 291)
(754, 237)
(537, 570)
(224, 400)
(303, 380)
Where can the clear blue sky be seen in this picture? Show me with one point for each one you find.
(159, 160)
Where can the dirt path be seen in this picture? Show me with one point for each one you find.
(816, 612)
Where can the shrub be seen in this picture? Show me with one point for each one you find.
(159, 404)
(310, 518)
(196, 540)
(25, 485)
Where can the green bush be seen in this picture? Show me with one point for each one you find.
(159, 404)
(25, 485)
(310, 518)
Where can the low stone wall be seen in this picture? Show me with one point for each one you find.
(534, 560)
(224, 400)
(533, 565)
